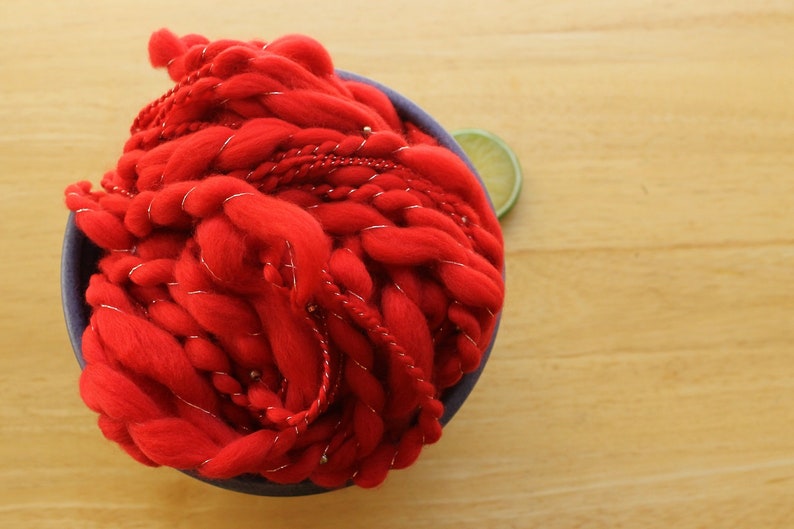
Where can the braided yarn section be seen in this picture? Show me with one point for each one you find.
(291, 274)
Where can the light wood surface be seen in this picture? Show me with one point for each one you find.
(644, 372)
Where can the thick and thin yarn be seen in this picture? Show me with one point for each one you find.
(291, 274)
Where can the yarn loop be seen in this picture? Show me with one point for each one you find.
(292, 275)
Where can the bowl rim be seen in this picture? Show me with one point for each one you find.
(78, 262)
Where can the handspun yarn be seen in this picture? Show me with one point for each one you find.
(291, 274)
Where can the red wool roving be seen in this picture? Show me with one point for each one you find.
(291, 275)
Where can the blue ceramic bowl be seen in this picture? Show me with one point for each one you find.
(80, 257)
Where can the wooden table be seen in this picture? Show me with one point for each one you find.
(643, 376)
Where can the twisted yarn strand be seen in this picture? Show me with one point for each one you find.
(292, 275)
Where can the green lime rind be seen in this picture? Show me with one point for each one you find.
(479, 144)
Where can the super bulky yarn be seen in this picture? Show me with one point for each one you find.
(291, 275)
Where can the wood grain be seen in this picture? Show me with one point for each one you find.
(643, 376)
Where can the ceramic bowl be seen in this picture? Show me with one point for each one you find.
(79, 261)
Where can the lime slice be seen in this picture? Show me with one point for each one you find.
(497, 165)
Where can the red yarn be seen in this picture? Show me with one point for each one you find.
(292, 275)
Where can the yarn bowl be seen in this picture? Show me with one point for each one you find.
(79, 261)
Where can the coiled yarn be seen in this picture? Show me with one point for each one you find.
(291, 274)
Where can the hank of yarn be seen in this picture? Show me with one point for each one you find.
(291, 274)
